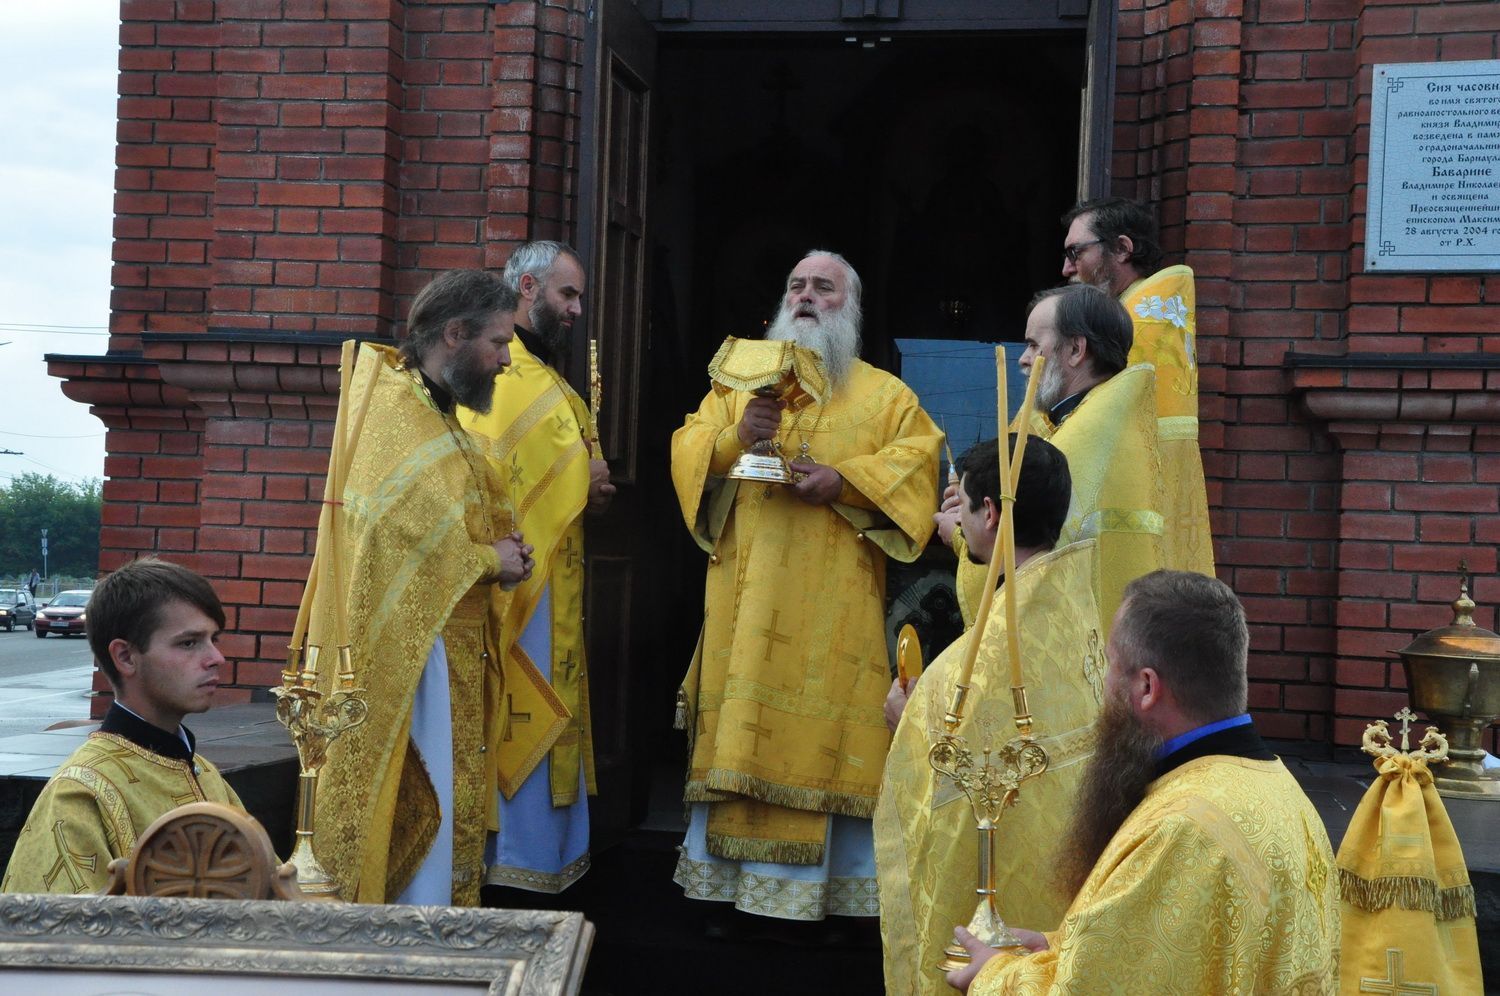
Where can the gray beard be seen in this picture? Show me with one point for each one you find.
(1050, 391)
(548, 326)
(834, 337)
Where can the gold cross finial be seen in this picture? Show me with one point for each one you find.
(1377, 740)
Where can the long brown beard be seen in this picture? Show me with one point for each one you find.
(1124, 763)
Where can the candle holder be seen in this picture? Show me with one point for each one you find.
(991, 785)
(315, 722)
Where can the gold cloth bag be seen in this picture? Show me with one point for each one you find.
(1405, 897)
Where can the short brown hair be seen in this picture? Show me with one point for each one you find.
(469, 297)
(129, 603)
(1190, 629)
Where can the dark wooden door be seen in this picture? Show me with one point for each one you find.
(1096, 122)
(621, 57)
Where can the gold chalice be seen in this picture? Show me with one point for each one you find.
(768, 368)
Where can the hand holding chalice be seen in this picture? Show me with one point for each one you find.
(782, 376)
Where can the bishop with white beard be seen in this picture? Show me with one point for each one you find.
(783, 700)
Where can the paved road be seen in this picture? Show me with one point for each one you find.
(42, 681)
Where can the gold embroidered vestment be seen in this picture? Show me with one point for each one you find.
(533, 439)
(92, 810)
(783, 699)
(420, 511)
(1163, 309)
(1221, 881)
(925, 838)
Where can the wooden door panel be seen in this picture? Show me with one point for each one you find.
(622, 57)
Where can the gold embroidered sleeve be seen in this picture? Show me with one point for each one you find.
(65, 846)
(1158, 922)
(727, 450)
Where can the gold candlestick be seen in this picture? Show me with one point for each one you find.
(993, 785)
(316, 719)
(314, 723)
(596, 395)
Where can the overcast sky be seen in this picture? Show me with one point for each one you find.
(58, 75)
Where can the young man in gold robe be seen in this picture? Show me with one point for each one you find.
(1195, 862)
(925, 833)
(1112, 244)
(425, 545)
(154, 629)
(538, 438)
(783, 700)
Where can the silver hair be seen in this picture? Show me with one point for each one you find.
(853, 288)
(536, 258)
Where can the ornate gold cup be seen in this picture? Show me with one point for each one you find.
(768, 369)
(1453, 673)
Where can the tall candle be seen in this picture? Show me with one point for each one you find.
(992, 576)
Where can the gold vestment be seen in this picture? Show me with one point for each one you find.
(783, 700)
(1110, 442)
(1163, 309)
(925, 838)
(420, 512)
(92, 810)
(534, 441)
(1221, 881)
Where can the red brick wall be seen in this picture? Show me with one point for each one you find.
(303, 166)
(290, 172)
(1340, 518)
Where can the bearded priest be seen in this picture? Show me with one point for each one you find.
(783, 700)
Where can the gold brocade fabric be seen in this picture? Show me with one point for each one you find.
(92, 810)
(420, 512)
(1110, 441)
(784, 695)
(1408, 905)
(1163, 310)
(1221, 881)
(968, 580)
(534, 440)
(926, 843)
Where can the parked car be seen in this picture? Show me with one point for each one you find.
(16, 608)
(63, 614)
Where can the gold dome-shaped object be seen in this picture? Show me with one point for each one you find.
(1453, 675)
(1461, 639)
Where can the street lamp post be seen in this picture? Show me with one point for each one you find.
(44, 553)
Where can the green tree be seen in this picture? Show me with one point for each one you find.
(69, 512)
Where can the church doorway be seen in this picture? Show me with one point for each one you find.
(938, 163)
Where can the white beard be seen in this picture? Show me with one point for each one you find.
(834, 336)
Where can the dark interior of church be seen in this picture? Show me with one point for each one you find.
(938, 165)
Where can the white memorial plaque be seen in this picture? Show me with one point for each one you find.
(1434, 191)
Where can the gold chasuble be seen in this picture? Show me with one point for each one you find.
(926, 844)
(1111, 445)
(783, 700)
(534, 441)
(1408, 905)
(1162, 307)
(92, 810)
(1221, 881)
(420, 514)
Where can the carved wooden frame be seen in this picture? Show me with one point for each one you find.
(528, 953)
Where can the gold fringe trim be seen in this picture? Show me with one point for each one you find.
(719, 781)
(781, 852)
(1408, 893)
